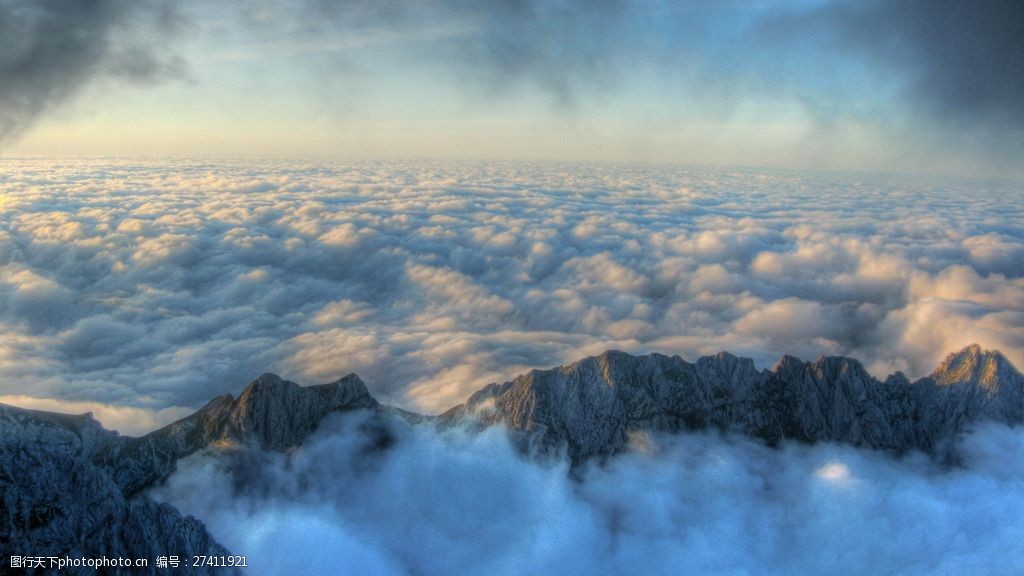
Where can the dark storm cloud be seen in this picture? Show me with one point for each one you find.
(51, 49)
(499, 43)
(965, 59)
(551, 47)
(961, 64)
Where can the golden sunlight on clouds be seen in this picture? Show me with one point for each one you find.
(124, 419)
(835, 472)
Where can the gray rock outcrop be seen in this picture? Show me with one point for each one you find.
(55, 501)
(591, 407)
(68, 487)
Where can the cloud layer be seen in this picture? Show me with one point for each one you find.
(696, 503)
(160, 284)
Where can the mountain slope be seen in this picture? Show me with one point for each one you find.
(590, 407)
(70, 487)
(55, 501)
(271, 412)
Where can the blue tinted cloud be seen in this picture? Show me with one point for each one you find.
(442, 504)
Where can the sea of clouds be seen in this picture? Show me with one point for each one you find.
(141, 289)
(454, 503)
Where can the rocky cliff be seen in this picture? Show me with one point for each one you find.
(591, 407)
(68, 487)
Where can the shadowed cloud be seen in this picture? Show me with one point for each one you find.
(51, 49)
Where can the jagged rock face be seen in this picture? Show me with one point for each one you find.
(271, 412)
(70, 487)
(985, 382)
(972, 365)
(259, 413)
(835, 399)
(592, 406)
(55, 500)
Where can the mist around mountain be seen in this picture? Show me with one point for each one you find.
(614, 464)
(432, 198)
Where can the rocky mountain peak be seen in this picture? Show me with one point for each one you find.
(727, 369)
(587, 409)
(836, 366)
(789, 365)
(279, 413)
(271, 412)
(266, 383)
(353, 386)
(973, 365)
(591, 406)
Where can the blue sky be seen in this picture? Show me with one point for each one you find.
(823, 84)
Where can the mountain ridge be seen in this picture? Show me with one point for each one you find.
(72, 488)
(69, 486)
(593, 404)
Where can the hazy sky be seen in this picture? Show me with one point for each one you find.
(906, 86)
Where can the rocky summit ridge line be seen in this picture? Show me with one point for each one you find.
(590, 407)
(70, 487)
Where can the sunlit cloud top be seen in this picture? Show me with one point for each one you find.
(159, 285)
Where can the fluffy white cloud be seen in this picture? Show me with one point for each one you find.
(160, 284)
(696, 503)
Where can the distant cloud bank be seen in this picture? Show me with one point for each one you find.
(157, 285)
